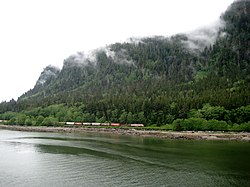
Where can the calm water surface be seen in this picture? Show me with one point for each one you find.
(57, 159)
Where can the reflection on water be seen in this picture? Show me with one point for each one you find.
(90, 159)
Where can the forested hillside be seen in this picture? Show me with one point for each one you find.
(155, 80)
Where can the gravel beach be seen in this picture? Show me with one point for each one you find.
(189, 135)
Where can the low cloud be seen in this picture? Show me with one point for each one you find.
(81, 59)
(120, 56)
(48, 73)
(205, 36)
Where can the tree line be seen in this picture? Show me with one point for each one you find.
(213, 118)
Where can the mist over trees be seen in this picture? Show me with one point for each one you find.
(155, 81)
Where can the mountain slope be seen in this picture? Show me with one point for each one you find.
(153, 80)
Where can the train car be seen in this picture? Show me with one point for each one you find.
(77, 123)
(136, 125)
(115, 124)
(70, 123)
(96, 124)
(86, 124)
(105, 124)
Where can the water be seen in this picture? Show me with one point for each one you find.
(90, 159)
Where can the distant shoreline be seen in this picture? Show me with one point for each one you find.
(188, 135)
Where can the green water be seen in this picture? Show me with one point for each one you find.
(57, 159)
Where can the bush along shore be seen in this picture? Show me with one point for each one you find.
(182, 135)
(208, 118)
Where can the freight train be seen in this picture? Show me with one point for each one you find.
(102, 124)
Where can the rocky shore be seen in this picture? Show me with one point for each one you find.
(189, 135)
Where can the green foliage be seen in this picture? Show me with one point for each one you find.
(214, 125)
(178, 125)
(49, 121)
(200, 75)
(204, 119)
(198, 124)
(246, 126)
(20, 119)
(210, 112)
(7, 115)
(242, 127)
(39, 120)
(241, 115)
(28, 121)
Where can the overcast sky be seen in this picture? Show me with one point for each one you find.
(36, 33)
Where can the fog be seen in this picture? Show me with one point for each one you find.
(204, 36)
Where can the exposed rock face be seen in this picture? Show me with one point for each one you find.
(49, 73)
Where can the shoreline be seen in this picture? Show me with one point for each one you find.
(184, 135)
